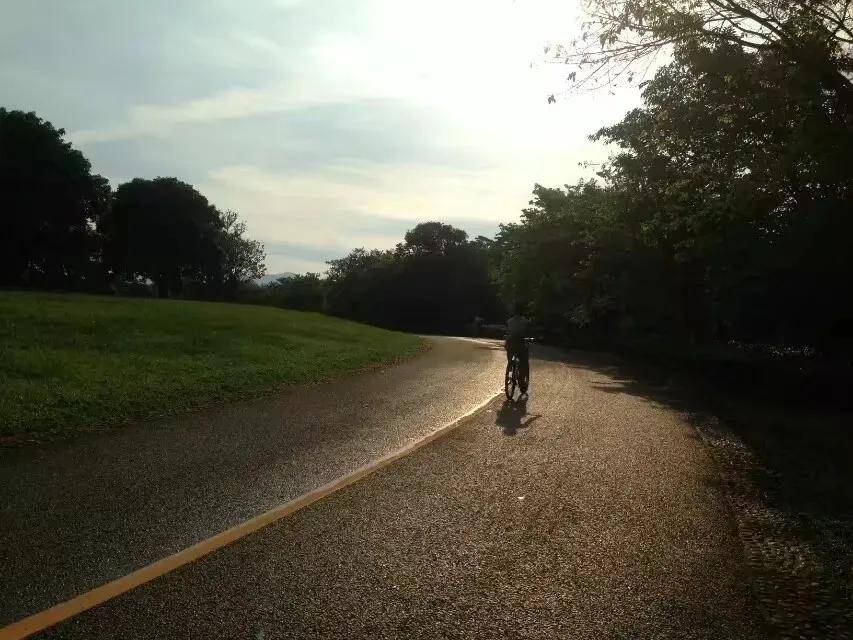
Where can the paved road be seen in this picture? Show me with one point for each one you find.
(589, 513)
(74, 517)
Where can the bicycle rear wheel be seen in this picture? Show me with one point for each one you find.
(510, 378)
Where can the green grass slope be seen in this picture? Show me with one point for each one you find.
(71, 362)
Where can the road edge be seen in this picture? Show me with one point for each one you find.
(99, 595)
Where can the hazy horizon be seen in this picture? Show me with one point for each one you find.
(325, 125)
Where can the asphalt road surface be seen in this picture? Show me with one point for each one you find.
(74, 517)
(589, 512)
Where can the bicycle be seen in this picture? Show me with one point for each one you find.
(511, 377)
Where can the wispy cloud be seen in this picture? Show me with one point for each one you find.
(401, 191)
(326, 213)
(161, 119)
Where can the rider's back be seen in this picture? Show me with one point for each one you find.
(516, 327)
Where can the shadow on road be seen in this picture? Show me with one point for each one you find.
(796, 456)
(510, 417)
(803, 451)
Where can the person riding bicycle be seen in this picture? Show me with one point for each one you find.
(517, 328)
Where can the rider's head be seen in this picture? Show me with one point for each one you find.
(518, 308)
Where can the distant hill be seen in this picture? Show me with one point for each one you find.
(272, 277)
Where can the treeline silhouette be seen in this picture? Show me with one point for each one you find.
(725, 214)
(64, 227)
(435, 280)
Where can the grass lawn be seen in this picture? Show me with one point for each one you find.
(71, 362)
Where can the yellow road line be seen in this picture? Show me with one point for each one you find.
(56, 614)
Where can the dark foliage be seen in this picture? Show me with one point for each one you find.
(725, 215)
(166, 231)
(49, 203)
(65, 229)
(436, 280)
(303, 292)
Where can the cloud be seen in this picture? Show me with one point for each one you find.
(323, 214)
(237, 103)
(400, 191)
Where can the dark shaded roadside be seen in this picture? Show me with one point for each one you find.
(785, 459)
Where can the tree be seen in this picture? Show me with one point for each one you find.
(725, 213)
(165, 230)
(358, 285)
(49, 203)
(432, 238)
(815, 36)
(299, 291)
(572, 259)
(242, 258)
(735, 165)
(435, 280)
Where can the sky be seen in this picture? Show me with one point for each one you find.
(326, 124)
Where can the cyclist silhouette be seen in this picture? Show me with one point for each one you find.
(517, 328)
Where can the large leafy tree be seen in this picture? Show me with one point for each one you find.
(432, 238)
(435, 280)
(815, 36)
(725, 211)
(242, 258)
(576, 264)
(165, 230)
(445, 280)
(49, 203)
(735, 168)
(359, 285)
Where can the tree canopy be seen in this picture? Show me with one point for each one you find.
(435, 280)
(50, 202)
(242, 258)
(65, 228)
(725, 212)
(432, 239)
(165, 230)
(814, 36)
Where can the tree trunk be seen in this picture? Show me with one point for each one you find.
(162, 286)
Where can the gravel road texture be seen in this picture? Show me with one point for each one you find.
(588, 512)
